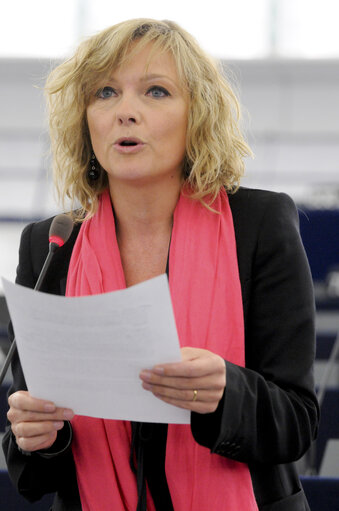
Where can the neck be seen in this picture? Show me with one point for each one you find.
(144, 211)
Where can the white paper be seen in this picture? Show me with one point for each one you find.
(86, 353)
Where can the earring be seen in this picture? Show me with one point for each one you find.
(93, 172)
(186, 168)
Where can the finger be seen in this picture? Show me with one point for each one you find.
(186, 383)
(185, 369)
(24, 401)
(36, 443)
(201, 364)
(213, 381)
(15, 415)
(35, 429)
(184, 395)
(202, 407)
(24, 407)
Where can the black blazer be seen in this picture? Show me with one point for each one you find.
(269, 413)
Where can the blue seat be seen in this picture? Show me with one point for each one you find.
(319, 232)
(322, 493)
(325, 343)
(329, 423)
(10, 500)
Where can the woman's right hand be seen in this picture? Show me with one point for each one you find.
(35, 422)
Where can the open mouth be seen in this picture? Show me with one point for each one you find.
(128, 143)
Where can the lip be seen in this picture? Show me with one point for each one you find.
(128, 149)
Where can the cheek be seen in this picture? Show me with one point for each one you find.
(174, 130)
(181, 133)
(97, 123)
(95, 127)
(91, 124)
(182, 123)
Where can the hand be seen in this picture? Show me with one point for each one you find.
(35, 422)
(196, 383)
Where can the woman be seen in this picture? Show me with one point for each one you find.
(145, 135)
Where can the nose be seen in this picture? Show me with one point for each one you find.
(124, 119)
(127, 112)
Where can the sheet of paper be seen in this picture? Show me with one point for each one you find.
(86, 353)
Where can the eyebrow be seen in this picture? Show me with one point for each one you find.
(154, 76)
(150, 77)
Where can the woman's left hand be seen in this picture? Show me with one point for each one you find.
(197, 383)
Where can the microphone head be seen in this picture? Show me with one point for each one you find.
(60, 230)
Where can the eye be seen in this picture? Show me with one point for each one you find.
(157, 92)
(105, 92)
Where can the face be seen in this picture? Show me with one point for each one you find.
(137, 121)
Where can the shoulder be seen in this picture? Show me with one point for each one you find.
(256, 211)
(266, 224)
(38, 232)
(254, 203)
(34, 247)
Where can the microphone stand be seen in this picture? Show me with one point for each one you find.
(51, 251)
(321, 395)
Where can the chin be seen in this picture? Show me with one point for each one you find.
(139, 177)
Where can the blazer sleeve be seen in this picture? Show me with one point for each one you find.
(35, 474)
(269, 412)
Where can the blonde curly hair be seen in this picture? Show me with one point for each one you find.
(215, 146)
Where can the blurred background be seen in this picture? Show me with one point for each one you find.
(282, 57)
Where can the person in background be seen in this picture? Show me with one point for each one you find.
(145, 136)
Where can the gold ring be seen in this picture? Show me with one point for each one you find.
(195, 395)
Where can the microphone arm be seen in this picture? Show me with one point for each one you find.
(8, 360)
(59, 233)
(51, 251)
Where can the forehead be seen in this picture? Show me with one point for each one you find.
(147, 60)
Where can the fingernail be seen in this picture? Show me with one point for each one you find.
(147, 386)
(158, 370)
(146, 375)
(49, 407)
(68, 414)
(59, 424)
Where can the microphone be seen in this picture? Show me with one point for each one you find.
(59, 232)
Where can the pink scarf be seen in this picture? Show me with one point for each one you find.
(206, 295)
